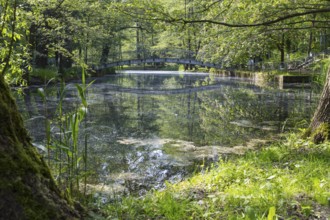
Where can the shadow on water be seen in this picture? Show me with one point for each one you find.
(147, 128)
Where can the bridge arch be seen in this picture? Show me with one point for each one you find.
(157, 60)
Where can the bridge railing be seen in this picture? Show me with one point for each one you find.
(157, 60)
(181, 56)
(162, 53)
(289, 65)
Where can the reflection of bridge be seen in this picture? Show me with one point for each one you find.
(161, 91)
(156, 56)
(141, 91)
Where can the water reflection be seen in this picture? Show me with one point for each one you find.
(145, 128)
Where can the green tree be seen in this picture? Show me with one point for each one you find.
(237, 30)
(13, 55)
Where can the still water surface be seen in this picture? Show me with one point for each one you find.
(147, 127)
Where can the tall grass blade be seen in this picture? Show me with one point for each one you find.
(271, 213)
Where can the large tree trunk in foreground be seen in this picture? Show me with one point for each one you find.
(27, 190)
(322, 114)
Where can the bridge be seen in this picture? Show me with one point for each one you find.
(157, 60)
(188, 58)
(177, 56)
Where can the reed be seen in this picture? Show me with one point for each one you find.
(67, 161)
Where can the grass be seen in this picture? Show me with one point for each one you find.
(44, 75)
(286, 180)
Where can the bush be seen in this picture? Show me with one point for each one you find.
(44, 74)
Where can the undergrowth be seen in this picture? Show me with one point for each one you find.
(286, 180)
(46, 74)
(322, 68)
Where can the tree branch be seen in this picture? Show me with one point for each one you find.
(207, 7)
(266, 23)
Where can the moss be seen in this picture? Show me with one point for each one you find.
(321, 134)
(27, 189)
(307, 133)
(25, 179)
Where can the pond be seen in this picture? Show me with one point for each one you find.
(143, 128)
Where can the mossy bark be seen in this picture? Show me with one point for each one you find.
(322, 113)
(27, 189)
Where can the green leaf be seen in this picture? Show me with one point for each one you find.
(4, 31)
(81, 92)
(89, 84)
(271, 177)
(83, 77)
(41, 93)
(48, 132)
(271, 213)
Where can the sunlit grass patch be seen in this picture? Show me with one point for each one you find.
(44, 74)
(290, 179)
(52, 73)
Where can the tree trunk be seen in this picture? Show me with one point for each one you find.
(310, 42)
(282, 50)
(322, 116)
(138, 46)
(105, 53)
(27, 189)
(38, 47)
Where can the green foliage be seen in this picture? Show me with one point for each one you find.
(181, 68)
(102, 72)
(322, 69)
(198, 26)
(231, 32)
(68, 161)
(286, 179)
(72, 73)
(44, 74)
(68, 28)
(13, 47)
(271, 213)
(94, 32)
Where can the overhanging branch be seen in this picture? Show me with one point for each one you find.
(266, 23)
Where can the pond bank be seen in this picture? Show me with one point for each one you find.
(278, 79)
(287, 179)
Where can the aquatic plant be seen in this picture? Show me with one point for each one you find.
(63, 154)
